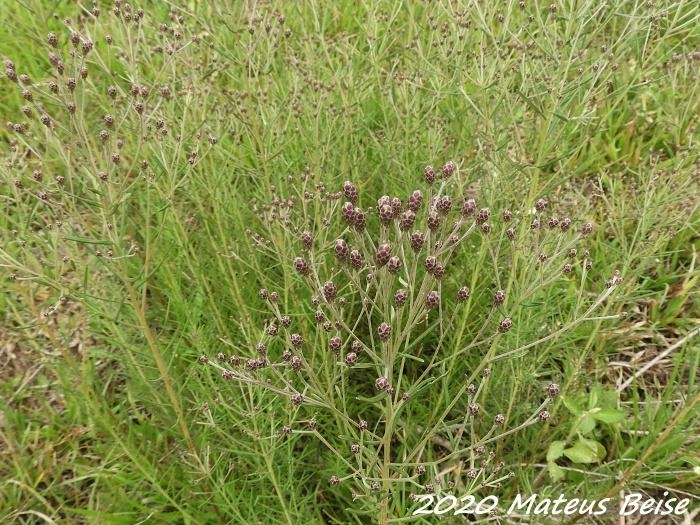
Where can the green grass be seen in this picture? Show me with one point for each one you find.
(107, 415)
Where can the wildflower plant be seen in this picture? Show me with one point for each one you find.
(382, 315)
(190, 313)
(99, 134)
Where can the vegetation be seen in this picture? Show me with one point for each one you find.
(302, 262)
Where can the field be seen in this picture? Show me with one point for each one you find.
(305, 262)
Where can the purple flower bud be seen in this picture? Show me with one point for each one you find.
(383, 254)
(415, 201)
(483, 215)
(384, 331)
(468, 207)
(301, 266)
(553, 390)
(505, 325)
(386, 214)
(463, 294)
(330, 290)
(334, 343)
(433, 220)
(432, 300)
(355, 259)
(381, 383)
(444, 204)
(351, 359)
(348, 212)
(429, 175)
(359, 219)
(400, 297)
(396, 206)
(499, 297)
(306, 238)
(417, 240)
(394, 264)
(341, 249)
(407, 219)
(448, 169)
(350, 191)
(439, 271)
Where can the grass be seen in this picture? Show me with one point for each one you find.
(123, 273)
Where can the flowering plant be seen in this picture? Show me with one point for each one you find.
(391, 297)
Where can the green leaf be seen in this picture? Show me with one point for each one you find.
(593, 397)
(401, 354)
(555, 471)
(358, 365)
(669, 446)
(690, 459)
(608, 398)
(86, 240)
(608, 415)
(573, 407)
(556, 450)
(375, 399)
(585, 451)
(586, 424)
